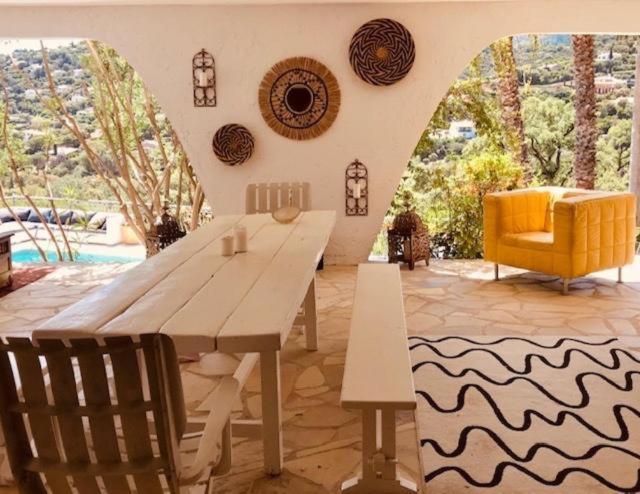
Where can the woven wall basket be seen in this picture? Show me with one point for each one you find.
(233, 144)
(299, 98)
(382, 52)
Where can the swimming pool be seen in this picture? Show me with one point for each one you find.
(31, 255)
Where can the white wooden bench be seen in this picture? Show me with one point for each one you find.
(377, 377)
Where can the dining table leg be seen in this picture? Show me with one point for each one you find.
(271, 411)
(311, 317)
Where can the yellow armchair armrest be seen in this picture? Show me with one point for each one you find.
(597, 231)
(491, 222)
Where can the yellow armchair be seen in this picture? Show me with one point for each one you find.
(563, 232)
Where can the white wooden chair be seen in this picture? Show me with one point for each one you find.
(268, 197)
(95, 433)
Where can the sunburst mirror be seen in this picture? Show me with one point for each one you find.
(299, 98)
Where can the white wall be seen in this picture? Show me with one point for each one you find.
(379, 126)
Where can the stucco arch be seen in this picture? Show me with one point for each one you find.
(379, 126)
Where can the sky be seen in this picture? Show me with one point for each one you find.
(7, 46)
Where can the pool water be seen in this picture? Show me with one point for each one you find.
(31, 255)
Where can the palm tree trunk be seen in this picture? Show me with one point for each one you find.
(584, 165)
(509, 94)
(634, 167)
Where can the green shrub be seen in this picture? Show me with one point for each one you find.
(448, 197)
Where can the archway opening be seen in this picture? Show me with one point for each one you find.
(91, 169)
(509, 121)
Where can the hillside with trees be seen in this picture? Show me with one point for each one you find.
(520, 96)
(78, 124)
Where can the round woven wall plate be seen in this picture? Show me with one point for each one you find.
(382, 52)
(299, 98)
(233, 144)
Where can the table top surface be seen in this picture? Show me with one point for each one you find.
(205, 301)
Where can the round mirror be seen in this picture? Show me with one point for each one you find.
(298, 98)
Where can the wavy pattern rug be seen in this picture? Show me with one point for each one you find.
(541, 414)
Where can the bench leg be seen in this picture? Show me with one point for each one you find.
(271, 414)
(225, 461)
(379, 462)
(496, 272)
(619, 275)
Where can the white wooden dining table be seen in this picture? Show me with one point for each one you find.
(206, 302)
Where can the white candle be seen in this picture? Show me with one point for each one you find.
(357, 192)
(240, 236)
(226, 245)
(203, 80)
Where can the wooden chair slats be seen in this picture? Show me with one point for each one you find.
(306, 196)
(262, 197)
(250, 199)
(71, 426)
(274, 197)
(135, 427)
(63, 388)
(296, 199)
(268, 197)
(96, 393)
(69, 351)
(80, 410)
(79, 470)
(42, 427)
(168, 440)
(17, 443)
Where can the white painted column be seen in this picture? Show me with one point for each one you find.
(634, 166)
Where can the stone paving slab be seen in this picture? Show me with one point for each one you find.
(322, 441)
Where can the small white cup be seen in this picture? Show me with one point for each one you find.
(226, 245)
(240, 237)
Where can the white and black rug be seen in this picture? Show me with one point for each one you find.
(528, 415)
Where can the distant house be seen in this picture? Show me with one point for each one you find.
(78, 72)
(605, 56)
(608, 83)
(462, 128)
(65, 151)
(78, 98)
(551, 66)
(63, 88)
(150, 144)
(30, 94)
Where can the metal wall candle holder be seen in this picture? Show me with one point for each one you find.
(204, 79)
(356, 182)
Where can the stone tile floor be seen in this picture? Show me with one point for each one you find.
(322, 441)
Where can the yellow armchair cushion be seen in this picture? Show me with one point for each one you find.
(565, 232)
(529, 240)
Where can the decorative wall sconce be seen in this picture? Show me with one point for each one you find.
(356, 182)
(204, 79)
